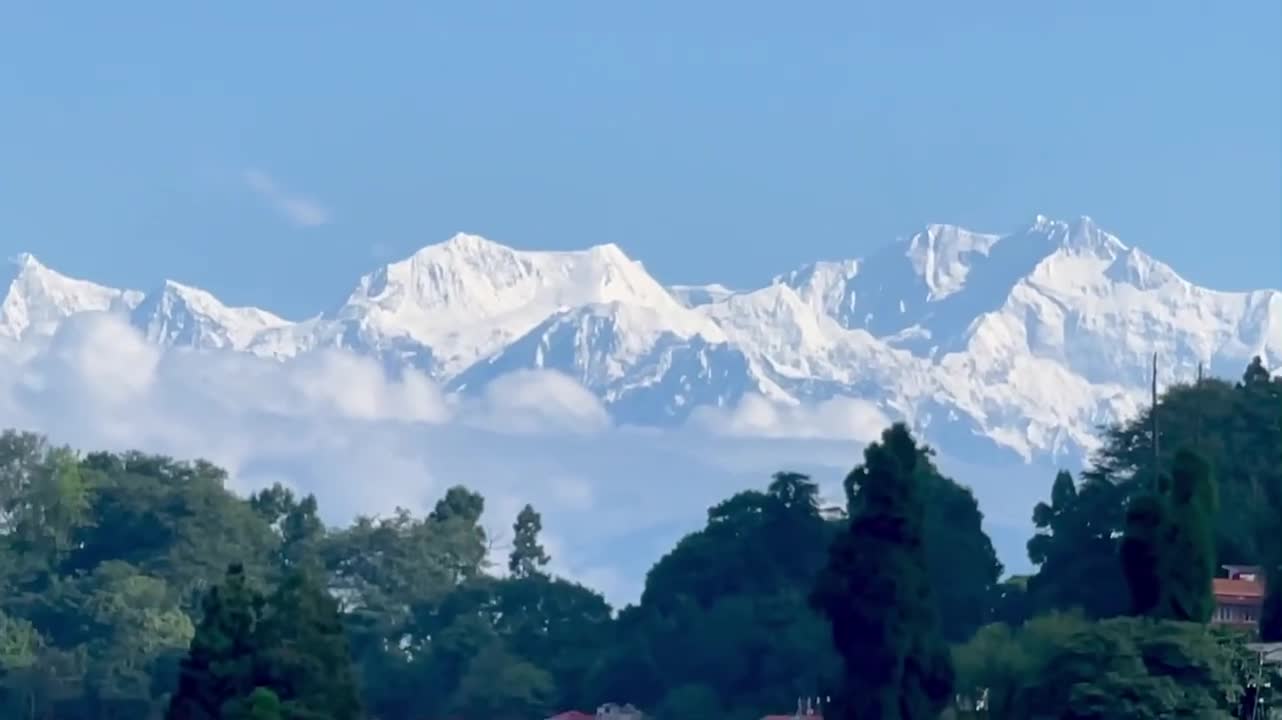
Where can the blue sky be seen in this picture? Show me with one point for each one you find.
(271, 152)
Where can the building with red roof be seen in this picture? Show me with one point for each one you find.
(1239, 597)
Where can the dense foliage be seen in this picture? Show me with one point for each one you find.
(1229, 436)
(136, 586)
(877, 593)
(1168, 549)
(1063, 666)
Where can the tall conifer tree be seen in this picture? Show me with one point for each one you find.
(1168, 550)
(876, 593)
(218, 670)
(304, 657)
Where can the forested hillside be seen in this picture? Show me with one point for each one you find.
(135, 586)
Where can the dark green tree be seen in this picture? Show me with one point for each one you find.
(1168, 551)
(1188, 564)
(500, 686)
(303, 656)
(1260, 419)
(297, 524)
(559, 626)
(1076, 549)
(1142, 553)
(218, 670)
(726, 610)
(690, 702)
(959, 555)
(528, 557)
(876, 592)
(1130, 668)
(1237, 429)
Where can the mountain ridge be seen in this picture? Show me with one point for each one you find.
(1027, 339)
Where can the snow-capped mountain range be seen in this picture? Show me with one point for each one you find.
(1022, 342)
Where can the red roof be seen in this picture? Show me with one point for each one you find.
(1226, 589)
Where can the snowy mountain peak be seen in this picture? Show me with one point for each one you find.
(467, 297)
(26, 261)
(942, 256)
(38, 298)
(183, 316)
(468, 242)
(1080, 235)
(28, 268)
(1024, 341)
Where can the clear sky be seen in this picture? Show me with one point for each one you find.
(272, 151)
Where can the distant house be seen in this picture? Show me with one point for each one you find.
(1239, 597)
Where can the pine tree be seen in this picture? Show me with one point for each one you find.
(304, 657)
(1168, 551)
(1142, 552)
(528, 556)
(876, 593)
(1190, 541)
(301, 534)
(219, 667)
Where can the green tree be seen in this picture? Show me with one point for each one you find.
(1065, 666)
(136, 627)
(303, 655)
(1168, 552)
(1237, 429)
(396, 575)
(1189, 549)
(502, 686)
(261, 704)
(1076, 550)
(877, 595)
(1260, 420)
(297, 524)
(218, 670)
(960, 557)
(726, 609)
(528, 557)
(171, 520)
(1132, 668)
(690, 702)
(559, 626)
(1142, 553)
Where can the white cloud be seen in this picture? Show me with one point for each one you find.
(295, 208)
(839, 418)
(538, 401)
(613, 499)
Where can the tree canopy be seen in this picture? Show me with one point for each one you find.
(138, 586)
(877, 595)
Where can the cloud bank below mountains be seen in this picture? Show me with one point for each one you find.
(614, 499)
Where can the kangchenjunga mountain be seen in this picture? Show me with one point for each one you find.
(1017, 345)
